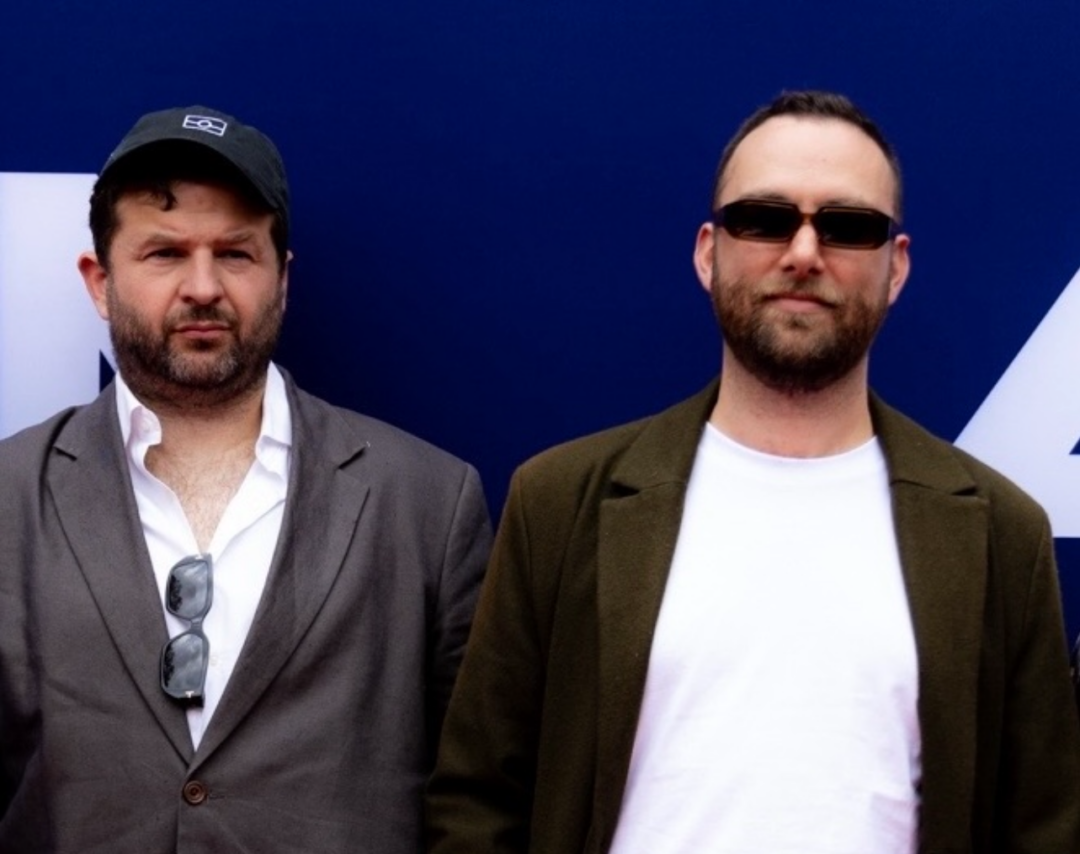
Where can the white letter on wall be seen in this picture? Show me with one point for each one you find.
(1029, 424)
(51, 338)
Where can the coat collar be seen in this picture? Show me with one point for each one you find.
(326, 495)
(89, 482)
(665, 449)
(943, 534)
(639, 527)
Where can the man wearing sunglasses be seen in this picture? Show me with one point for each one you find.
(780, 616)
(230, 613)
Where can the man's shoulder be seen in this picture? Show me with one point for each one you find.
(1004, 494)
(317, 420)
(600, 449)
(646, 451)
(31, 443)
(25, 460)
(916, 454)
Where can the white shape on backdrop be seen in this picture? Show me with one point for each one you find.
(1029, 424)
(51, 338)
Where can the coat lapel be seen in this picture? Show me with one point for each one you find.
(89, 482)
(321, 514)
(942, 534)
(638, 530)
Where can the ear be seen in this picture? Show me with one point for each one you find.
(899, 266)
(285, 279)
(705, 255)
(96, 279)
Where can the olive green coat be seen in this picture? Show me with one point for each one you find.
(541, 725)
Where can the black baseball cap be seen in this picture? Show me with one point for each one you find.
(246, 148)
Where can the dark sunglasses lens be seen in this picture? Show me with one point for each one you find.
(760, 220)
(855, 229)
(183, 666)
(188, 593)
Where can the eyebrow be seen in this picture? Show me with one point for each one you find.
(242, 235)
(234, 238)
(832, 202)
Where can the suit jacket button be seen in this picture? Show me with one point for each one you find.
(195, 792)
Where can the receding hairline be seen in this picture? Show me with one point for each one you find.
(887, 156)
(807, 103)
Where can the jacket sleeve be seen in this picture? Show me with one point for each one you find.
(467, 547)
(1038, 806)
(480, 797)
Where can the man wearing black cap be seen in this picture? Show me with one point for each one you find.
(230, 613)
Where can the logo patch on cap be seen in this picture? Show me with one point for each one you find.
(207, 124)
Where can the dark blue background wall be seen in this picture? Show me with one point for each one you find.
(495, 202)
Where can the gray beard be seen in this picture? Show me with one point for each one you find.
(165, 378)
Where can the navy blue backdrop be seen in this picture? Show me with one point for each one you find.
(495, 202)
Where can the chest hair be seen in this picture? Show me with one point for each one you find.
(205, 484)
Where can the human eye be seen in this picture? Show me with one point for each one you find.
(163, 252)
(235, 253)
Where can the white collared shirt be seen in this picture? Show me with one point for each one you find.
(243, 544)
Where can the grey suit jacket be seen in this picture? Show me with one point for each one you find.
(541, 726)
(328, 725)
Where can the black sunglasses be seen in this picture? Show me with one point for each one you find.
(777, 222)
(189, 593)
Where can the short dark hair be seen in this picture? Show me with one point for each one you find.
(813, 104)
(156, 169)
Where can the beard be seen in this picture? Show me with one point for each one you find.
(793, 353)
(197, 375)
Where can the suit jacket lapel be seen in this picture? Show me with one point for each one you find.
(638, 530)
(89, 482)
(942, 534)
(321, 513)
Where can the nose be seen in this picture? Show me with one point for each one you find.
(201, 279)
(803, 255)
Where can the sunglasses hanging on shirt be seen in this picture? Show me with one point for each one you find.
(189, 592)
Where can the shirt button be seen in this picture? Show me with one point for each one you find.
(195, 792)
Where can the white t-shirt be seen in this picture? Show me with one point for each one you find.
(780, 707)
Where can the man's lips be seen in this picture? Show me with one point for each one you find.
(201, 329)
(800, 300)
